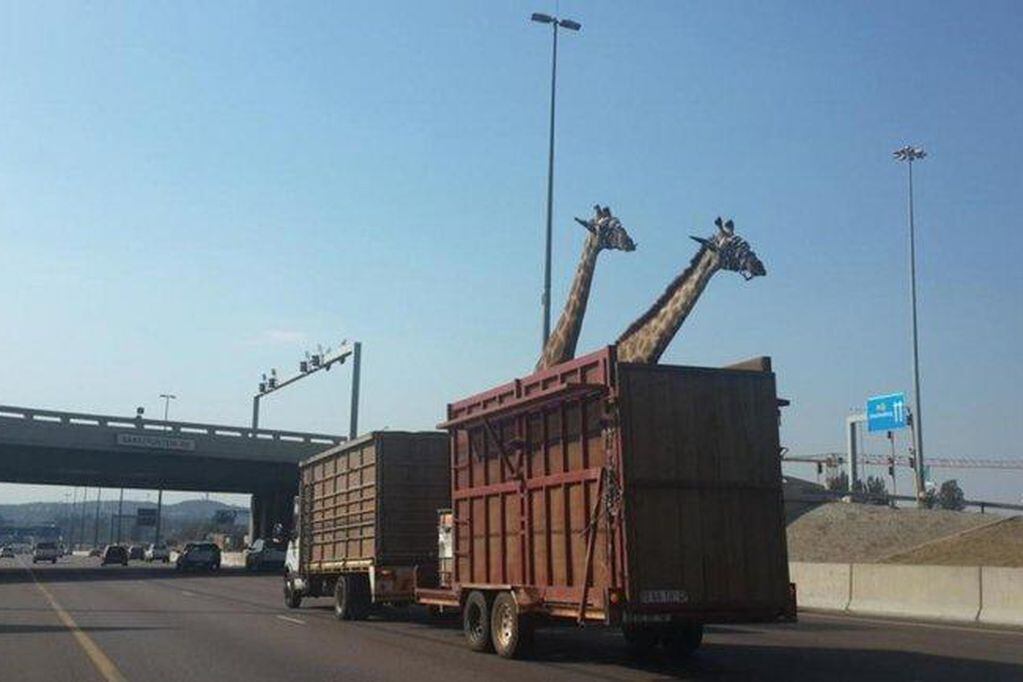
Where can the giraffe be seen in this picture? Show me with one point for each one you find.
(605, 232)
(647, 338)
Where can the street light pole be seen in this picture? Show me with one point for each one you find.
(572, 26)
(909, 155)
(167, 397)
(95, 528)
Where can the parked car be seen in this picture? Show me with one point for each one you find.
(115, 554)
(136, 553)
(45, 551)
(6, 552)
(157, 552)
(199, 555)
(264, 555)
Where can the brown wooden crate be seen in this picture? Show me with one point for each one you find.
(376, 499)
(702, 472)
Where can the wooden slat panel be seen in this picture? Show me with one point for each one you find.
(352, 485)
(703, 482)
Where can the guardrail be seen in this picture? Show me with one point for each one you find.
(158, 426)
(868, 498)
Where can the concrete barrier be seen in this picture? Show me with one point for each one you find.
(1001, 596)
(822, 586)
(928, 592)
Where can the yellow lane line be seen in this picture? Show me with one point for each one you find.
(99, 659)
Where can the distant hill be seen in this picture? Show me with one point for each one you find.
(41, 513)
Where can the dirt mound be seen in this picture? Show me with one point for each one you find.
(841, 532)
(999, 544)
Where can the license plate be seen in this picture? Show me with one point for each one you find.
(663, 597)
(645, 617)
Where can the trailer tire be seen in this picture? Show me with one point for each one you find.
(683, 639)
(292, 597)
(476, 622)
(511, 631)
(351, 597)
(640, 639)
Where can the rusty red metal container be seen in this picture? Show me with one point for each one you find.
(598, 490)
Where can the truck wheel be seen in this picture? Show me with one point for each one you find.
(476, 622)
(351, 598)
(640, 639)
(511, 631)
(683, 639)
(292, 597)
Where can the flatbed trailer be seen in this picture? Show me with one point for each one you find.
(641, 496)
(365, 518)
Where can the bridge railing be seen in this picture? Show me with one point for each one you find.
(158, 426)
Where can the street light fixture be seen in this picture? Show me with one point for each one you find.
(167, 397)
(909, 154)
(570, 25)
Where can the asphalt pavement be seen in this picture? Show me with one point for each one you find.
(82, 622)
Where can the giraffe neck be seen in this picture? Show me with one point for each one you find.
(562, 341)
(648, 337)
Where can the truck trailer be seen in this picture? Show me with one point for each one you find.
(365, 518)
(646, 497)
(643, 497)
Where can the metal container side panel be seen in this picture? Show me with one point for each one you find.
(702, 472)
(534, 531)
(414, 482)
(339, 505)
(524, 518)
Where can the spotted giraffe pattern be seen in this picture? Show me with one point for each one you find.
(648, 337)
(605, 232)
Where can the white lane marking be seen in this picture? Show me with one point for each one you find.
(292, 620)
(187, 593)
(100, 660)
(978, 629)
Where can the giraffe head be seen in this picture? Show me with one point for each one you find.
(734, 252)
(608, 230)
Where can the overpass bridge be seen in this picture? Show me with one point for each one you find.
(72, 448)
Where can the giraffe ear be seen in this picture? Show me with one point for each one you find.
(719, 223)
(704, 242)
(729, 227)
(586, 224)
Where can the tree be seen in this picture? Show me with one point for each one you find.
(839, 482)
(951, 496)
(877, 490)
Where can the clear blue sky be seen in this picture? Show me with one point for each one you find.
(192, 194)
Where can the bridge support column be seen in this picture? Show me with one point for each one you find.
(268, 509)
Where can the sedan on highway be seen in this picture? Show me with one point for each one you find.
(263, 555)
(6, 552)
(157, 552)
(115, 554)
(136, 553)
(199, 555)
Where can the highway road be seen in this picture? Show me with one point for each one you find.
(78, 621)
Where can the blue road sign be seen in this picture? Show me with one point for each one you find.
(887, 412)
